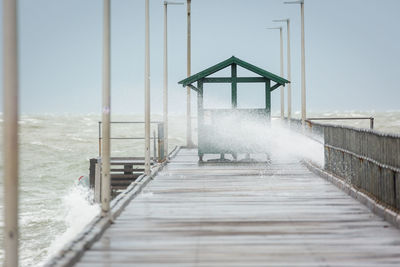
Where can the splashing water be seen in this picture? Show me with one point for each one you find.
(245, 132)
(55, 150)
(76, 212)
(289, 143)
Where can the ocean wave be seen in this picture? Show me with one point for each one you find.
(77, 213)
(54, 155)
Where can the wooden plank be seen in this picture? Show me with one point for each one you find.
(279, 214)
(126, 176)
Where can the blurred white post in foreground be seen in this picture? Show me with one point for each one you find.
(282, 87)
(10, 132)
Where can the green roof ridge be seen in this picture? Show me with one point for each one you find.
(233, 60)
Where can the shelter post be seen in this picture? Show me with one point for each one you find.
(234, 85)
(200, 118)
(268, 97)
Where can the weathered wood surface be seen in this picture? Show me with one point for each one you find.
(224, 215)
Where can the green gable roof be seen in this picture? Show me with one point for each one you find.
(228, 62)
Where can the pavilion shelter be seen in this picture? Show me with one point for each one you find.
(213, 135)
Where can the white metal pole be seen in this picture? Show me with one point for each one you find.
(106, 113)
(165, 81)
(165, 113)
(147, 92)
(189, 142)
(281, 69)
(289, 73)
(282, 87)
(10, 131)
(303, 64)
(303, 69)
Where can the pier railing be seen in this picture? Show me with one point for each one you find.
(158, 139)
(125, 170)
(371, 119)
(366, 159)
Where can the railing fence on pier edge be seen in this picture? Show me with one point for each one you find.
(125, 170)
(158, 139)
(367, 159)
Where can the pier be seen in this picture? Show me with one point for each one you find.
(277, 211)
(277, 214)
(225, 198)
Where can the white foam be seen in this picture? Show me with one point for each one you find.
(77, 213)
(258, 135)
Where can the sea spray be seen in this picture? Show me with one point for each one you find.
(55, 152)
(46, 173)
(289, 143)
(78, 211)
(242, 132)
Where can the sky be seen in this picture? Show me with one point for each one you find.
(352, 55)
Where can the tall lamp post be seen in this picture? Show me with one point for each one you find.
(165, 91)
(282, 88)
(147, 91)
(303, 64)
(189, 142)
(289, 71)
(105, 152)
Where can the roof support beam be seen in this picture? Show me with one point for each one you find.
(238, 79)
(217, 80)
(251, 80)
(275, 86)
(194, 88)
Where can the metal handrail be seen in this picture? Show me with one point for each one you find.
(371, 119)
(153, 122)
(154, 138)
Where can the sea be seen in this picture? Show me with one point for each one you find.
(54, 152)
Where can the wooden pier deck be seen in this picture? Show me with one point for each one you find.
(279, 214)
